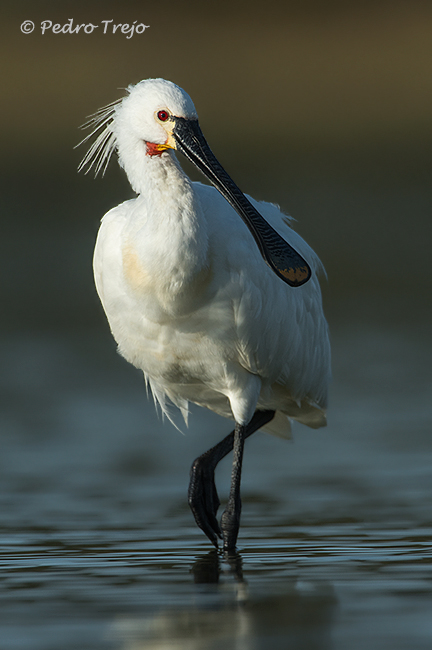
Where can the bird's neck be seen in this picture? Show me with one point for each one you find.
(167, 232)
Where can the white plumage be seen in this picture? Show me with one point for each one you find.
(187, 293)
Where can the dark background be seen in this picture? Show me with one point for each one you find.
(323, 108)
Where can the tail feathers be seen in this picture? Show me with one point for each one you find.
(309, 414)
(306, 413)
(279, 426)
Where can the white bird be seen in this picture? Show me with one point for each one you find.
(216, 310)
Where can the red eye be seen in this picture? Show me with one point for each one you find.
(163, 116)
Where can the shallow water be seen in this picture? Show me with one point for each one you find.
(98, 547)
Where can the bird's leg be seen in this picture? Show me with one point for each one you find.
(203, 497)
(202, 494)
(230, 521)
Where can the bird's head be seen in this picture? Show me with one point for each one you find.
(140, 124)
(149, 116)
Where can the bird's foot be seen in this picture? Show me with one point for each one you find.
(203, 497)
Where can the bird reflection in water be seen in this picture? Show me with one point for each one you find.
(207, 569)
(225, 612)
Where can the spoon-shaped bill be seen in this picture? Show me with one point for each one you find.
(282, 258)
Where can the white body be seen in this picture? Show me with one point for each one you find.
(190, 300)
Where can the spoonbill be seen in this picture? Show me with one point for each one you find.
(217, 310)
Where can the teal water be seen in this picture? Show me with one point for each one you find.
(98, 548)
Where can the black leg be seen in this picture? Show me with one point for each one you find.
(203, 497)
(230, 521)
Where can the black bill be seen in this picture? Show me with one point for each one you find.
(291, 267)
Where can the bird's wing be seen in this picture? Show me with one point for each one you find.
(107, 255)
(281, 330)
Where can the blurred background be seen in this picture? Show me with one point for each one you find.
(322, 107)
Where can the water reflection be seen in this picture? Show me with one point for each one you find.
(207, 569)
(298, 615)
(98, 548)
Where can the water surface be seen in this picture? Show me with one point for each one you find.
(98, 547)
